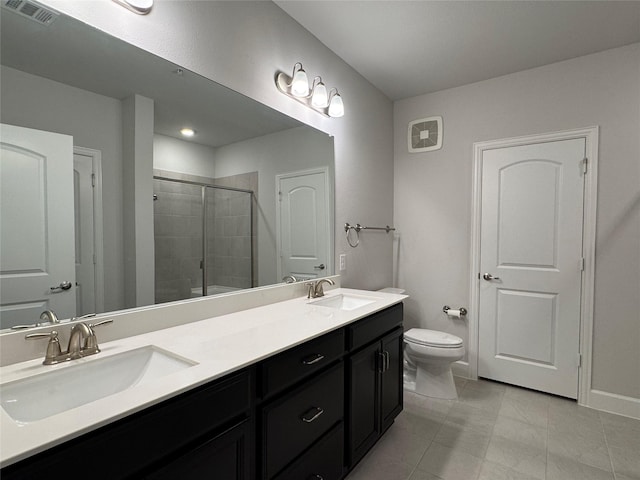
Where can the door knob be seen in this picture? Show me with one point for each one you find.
(63, 286)
(319, 267)
(488, 277)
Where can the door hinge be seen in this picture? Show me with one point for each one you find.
(93, 180)
(585, 165)
(582, 264)
(579, 360)
(95, 259)
(280, 196)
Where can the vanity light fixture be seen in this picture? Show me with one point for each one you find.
(296, 86)
(187, 132)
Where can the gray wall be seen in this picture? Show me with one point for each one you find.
(35, 102)
(288, 151)
(243, 45)
(433, 192)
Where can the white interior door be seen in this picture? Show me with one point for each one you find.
(85, 254)
(36, 225)
(531, 265)
(304, 227)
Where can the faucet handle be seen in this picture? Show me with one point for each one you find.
(100, 323)
(92, 342)
(53, 347)
(311, 292)
(88, 315)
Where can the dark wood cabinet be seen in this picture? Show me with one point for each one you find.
(374, 377)
(325, 460)
(225, 457)
(147, 441)
(294, 422)
(308, 413)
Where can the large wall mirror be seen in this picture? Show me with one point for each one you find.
(106, 205)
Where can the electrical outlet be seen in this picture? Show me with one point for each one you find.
(343, 262)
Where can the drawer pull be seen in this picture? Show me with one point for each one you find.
(382, 362)
(312, 414)
(310, 360)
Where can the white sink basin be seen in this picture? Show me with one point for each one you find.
(344, 302)
(34, 398)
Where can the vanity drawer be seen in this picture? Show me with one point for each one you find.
(293, 365)
(374, 326)
(292, 424)
(324, 460)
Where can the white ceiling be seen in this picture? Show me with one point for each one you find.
(409, 48)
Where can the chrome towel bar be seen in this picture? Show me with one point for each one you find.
(358, 228)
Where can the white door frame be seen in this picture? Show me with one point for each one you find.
(96, 161)
(329, 191)
(590, 134)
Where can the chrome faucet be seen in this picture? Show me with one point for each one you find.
(77, 348)
(80, 331)
(289, 279)
(316, 288)
(49, 316)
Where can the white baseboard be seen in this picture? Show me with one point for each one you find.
(614, 403)
(460, 369)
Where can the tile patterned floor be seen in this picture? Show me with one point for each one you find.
(499, 432)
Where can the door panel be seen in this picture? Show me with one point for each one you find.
(531, 245)
(528, 215)
(37, 230)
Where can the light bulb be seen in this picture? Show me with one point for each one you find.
(188, 132)
(300, 84)
(336, 107)
(319, 98)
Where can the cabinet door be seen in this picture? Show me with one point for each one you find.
(364, 413)
(225, 457)
(391, 378)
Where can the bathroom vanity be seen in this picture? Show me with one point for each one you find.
(297, 395)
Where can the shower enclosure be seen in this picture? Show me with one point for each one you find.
(204, 239)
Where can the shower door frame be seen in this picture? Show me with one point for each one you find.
(203, 192)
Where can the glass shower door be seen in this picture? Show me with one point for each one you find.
(229, 240)
(178, 223)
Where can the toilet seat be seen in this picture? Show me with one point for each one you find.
(432, 338)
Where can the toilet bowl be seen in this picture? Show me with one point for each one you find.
(428, 355)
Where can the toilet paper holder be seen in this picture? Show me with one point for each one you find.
(446, 308)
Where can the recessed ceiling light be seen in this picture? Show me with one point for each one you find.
(188, 132)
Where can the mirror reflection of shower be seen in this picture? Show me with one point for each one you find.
(204, 239)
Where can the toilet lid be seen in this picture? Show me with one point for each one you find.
(432, 338)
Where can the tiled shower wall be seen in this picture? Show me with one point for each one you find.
(178, 224)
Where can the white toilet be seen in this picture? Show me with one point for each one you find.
(428, 355)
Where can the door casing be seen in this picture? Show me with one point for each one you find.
(590, 134)
(95, 157)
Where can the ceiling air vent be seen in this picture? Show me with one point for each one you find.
(32, 10)
(425, 134)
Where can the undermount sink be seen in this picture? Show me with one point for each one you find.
(34, 398)
(344, 302)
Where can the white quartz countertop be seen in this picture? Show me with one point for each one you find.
(218, 346)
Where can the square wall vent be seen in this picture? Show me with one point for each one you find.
(425, 135)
